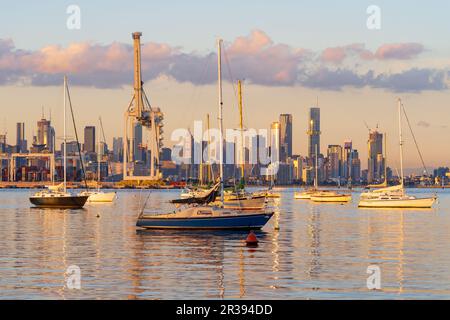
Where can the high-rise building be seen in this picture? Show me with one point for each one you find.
(21, 143)
(275, 141)
(314, 132)
(355, 169)
(375, 166)
(347, 160)
(285, 137)
(334, 155)
(45, 135)
(89, 139)
(137, 143)
(118, 149)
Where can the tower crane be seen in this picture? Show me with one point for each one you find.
(140, 111)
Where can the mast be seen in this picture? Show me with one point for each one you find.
(98, 162)
(64, 137)
(385, 160)
(401, 139)
(241, 126)
(208, 148)
(316, 180)
(219, 74)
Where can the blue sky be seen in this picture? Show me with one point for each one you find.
(195, 24)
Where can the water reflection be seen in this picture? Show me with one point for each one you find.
(306, 251)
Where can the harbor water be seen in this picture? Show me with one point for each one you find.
(319, 251)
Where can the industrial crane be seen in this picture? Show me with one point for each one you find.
(151, 118)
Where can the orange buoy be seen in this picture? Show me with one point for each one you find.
(251, 240)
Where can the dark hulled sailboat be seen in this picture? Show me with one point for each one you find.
(58, 197)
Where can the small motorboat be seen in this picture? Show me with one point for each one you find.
(205, 218)
(99, 196)
(331, 196)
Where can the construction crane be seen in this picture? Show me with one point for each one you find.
(140, 111)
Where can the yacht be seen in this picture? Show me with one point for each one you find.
(99, 196)
(199, 212)
(395, 196)
(58, 197)
(330, 196)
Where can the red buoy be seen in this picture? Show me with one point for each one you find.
(251, 240)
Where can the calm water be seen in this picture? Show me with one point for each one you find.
(319, 252)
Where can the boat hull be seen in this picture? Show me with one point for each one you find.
(422, 203)
(302, 196)
(102, 197)
(253, 203)
(240, 222)
(332, 199)
(70, 202)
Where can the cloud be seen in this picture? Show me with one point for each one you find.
(402, 51)
(423, 124)
(393, 51)
(255, 57)
(413, 80)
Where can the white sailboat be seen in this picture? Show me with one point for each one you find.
(99, 196)
(306, 194)
(395, 196)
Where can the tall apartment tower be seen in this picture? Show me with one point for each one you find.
(375, 164)
(89, 139)
(45, 134)
(21, 143)
(285, 137)
(313, 132)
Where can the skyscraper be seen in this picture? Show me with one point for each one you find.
(375, 164)
(89, 139)
(137, 143)
(347, 160)
(118, 149)
(355, 172)
(314, 132)
(21, 143)
(275, 141)
(45, 135)
(285, 137)
(334, 154)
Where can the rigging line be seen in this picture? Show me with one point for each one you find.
(76, 136)
(415, 141)
(230, 73)
(104, 140)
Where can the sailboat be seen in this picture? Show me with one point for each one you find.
(395, 196)
(99, 196)
(58, 197)
(199, 213)
(306, 194)
(240, 199)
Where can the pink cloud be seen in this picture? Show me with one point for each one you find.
(401, 51)
(255, 57)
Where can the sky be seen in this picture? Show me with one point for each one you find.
(289, 53)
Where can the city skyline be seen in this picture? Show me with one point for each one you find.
(357, 74)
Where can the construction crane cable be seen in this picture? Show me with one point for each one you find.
(415, 141)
